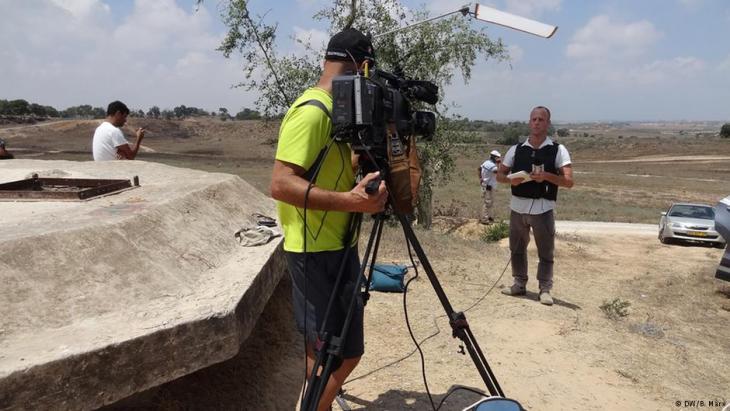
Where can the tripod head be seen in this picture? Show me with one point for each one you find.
(399, 168)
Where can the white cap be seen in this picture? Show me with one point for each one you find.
(495, 153)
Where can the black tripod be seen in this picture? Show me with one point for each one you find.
(328, 348)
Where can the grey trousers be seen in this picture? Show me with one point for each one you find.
(543, 228)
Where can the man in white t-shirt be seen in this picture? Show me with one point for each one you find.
(488, 181)
(533, 201)
(109, 142)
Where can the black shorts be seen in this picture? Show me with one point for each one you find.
(322, 270)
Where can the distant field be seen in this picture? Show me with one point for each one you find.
(627, 173)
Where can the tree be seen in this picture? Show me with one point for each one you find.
(725, 130)
(433, 51)
(563, 132)
(153, 112)
(180, 111)
(223, 114)
(512, 133)
(16, 107)
(37, 110)
(248, 114)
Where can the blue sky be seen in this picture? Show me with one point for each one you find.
(609, 60)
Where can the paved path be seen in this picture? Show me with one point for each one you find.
(608, 228)
(41, 124)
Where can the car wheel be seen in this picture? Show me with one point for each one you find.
(663, 239)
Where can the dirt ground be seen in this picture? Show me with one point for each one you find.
(673, 346)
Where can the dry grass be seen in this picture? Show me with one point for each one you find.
(623, 174)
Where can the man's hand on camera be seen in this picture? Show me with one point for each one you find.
(140, 133)
(369, 203)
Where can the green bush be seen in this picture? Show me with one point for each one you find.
(495, 232)
(615, 309)
(725, 130)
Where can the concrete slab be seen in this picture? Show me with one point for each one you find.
(105, 298)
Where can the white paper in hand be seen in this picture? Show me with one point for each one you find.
(520, 174)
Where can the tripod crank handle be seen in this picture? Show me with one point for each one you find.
(372, 187)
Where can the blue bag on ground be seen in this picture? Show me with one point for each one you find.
(388, 277)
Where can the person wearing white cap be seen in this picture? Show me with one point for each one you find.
(488, 181)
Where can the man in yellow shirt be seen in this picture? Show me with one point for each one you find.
(315, 239)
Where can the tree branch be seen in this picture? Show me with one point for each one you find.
(266, 56)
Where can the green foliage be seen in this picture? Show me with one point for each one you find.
(725, 130)
(83, 110)
(223, 114)
(153, 112)
(248, 114)
(615, 309)
(184, 111)
(254, 40)
(14, 107)
(495, 232)
(512, 133)
(563, 132)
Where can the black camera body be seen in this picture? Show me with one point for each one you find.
(374, 115)
(366, 110)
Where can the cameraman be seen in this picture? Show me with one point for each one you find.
(303, 136)
(533, 201)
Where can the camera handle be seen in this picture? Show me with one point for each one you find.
(372, 186)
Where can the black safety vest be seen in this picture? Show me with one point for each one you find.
(525, 157)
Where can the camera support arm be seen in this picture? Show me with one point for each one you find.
(491, 15)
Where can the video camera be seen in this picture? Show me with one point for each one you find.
(374, 114)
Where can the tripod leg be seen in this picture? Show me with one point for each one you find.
(329, 351)
(376, 233)
(459, 325)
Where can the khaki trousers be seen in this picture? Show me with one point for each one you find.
(487, 205)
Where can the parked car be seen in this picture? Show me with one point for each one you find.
(691, 223)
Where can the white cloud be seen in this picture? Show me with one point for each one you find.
(69, 52)
(82, 9)
(602, 38)
(532, 8)
(665, 71)
(724, 65)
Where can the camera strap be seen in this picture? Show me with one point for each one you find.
(309, 174)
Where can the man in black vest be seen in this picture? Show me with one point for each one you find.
(533, 200)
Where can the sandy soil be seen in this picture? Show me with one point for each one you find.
(672, 346)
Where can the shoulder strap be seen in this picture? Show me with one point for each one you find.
(318, 104)
(309, 174)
